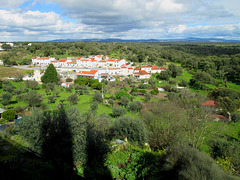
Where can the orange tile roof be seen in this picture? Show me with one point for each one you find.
(53, 61)
(43, 58)
(137, 69)
(79, 58)
(154, 66)
(123, 67)
(163, 68)
(62, 60)
(91, 72)
(209, 103)
(102, 61)
(111, 60)
(143, 72)
(118, 59)
(130, 68)
(93, 60)
(71, 63)
(84, 60)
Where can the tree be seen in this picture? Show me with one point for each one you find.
(135, 106)
(111, 102)
(174, 70)
(73, 99)
(152, 82)
(6, 97)
(51, 99)
(9, 115)
(33, 98)
(50, 75)
(97, 97)
(132, 129)
(6, 47)
(163, 76)
(118, 111)
(31, 84)
(121, 93)
(124, 100)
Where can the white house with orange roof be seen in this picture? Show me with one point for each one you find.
(93, 74)
(142, 74)
(120, 62)
(42, 61)
(102, 63)
(98, 57)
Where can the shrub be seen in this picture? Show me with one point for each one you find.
(9, 115)
(124, 100)
(172, 81)
(135, 106)
(32, 84)
(185, 162)
(142, 91)
(133, 129)
(73, 99)
(97, 97)
(154, 91)
(121, 93)
(183, 83)
(118, 111)
(111, 102)
(51, 99)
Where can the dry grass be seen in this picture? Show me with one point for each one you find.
(10, 71)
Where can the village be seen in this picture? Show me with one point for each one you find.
(95, 67)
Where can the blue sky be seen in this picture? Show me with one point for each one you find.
(42, 20)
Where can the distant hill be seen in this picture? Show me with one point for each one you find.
(190, 39)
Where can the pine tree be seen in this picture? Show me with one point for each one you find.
(50, 75)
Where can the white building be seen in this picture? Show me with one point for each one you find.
(42, 61)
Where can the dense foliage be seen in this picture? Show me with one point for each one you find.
(50, 75)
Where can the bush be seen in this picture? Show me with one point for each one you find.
(133, 129)
(183, 83)
(118, 111)
(9, 115)
(122, 93)
(97, 97)
(135, 106)
(142, 91)
(172, 81)
(32, 84)
(51, 99)
(143, 86)
(73, 99)
(154, 91)
(124, 100)
(185, 162)
(111, 102)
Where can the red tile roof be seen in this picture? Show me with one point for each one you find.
(43, 58)
(91, 72)
(209, 103)
(143, 72)
(111, 60)
(62, 60)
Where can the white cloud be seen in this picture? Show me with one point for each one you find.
(10, 4)
(34, 25)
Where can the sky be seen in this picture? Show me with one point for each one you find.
(43, 20)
